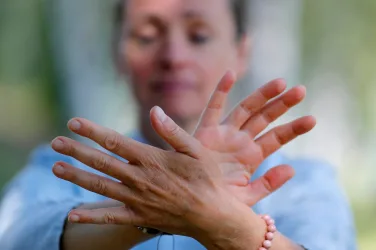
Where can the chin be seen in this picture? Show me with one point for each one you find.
(182, 115)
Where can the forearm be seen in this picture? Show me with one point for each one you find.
(99, 237)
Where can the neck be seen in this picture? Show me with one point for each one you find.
(154, 139)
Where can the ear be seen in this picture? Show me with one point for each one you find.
(244, 49)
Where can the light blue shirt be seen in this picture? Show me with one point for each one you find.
(311, 209)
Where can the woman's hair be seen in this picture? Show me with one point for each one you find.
(239, 9)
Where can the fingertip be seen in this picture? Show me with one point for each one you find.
(290, 171)
(285, 170)
(74, 124)
(58, 169)
(231, 74)
(280, 84)
(304, 125)
(57, 144)
(158, 113)
(73, 217)
(279, 175)
(313, 119)
(311, 122)
(301, 91)
(227, 81)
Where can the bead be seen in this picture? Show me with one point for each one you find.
(267, 244)
(269, 236)
(272, 228)
(270, 222)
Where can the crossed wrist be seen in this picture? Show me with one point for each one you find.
(237, 229)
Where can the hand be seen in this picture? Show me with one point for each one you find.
(228, 155)
(175, 192)
(234, 142)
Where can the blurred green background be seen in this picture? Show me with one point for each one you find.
(55, 63)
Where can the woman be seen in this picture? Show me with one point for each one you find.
(174, 53)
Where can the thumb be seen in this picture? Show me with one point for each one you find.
(265, 185)
(174, 135)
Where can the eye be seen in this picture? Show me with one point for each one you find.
(199, 38)
(146, 35)
(145, 40)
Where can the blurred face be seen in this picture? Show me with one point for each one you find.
(176, 51)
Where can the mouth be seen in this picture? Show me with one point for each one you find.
(172, 86)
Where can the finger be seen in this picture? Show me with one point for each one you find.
(214, 109)
(121, 215)
(254, 102)
(92, 182)
(268, 183)
(175, 136)
(92, 157)
(109, 139)
(279, 136)
(273, 110)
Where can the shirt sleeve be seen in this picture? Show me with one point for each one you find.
(313, 210)
(35, 205)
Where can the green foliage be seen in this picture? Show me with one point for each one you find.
(340, 36)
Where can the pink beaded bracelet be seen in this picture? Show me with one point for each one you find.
(270, 230)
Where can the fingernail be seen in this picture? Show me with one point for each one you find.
(59, 170)
(74, 125)
(74, 218)
(160, 114)
(58, 144)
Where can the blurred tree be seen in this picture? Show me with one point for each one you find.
(27, 106)
(82, 40)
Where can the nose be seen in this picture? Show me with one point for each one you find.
(174, 52)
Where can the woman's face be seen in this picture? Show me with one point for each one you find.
(176, 51)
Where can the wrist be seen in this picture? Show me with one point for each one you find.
(239, 228)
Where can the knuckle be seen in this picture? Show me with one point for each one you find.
(247, 107)
(102, 164)
(156, 167)
(142, 186)
(215, 105)
(267, 185)
(109, 218)
(98, 186)
(113, 142)
(173, 130)
(268, 117)
(90, 132)
(69, 148)
(280, 138)
(263, 96)
(263, 152)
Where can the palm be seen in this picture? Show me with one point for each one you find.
(236, 152)
(233, 142)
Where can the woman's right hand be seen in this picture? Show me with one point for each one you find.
(236, 142)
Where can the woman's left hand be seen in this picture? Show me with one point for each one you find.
(180, 192)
